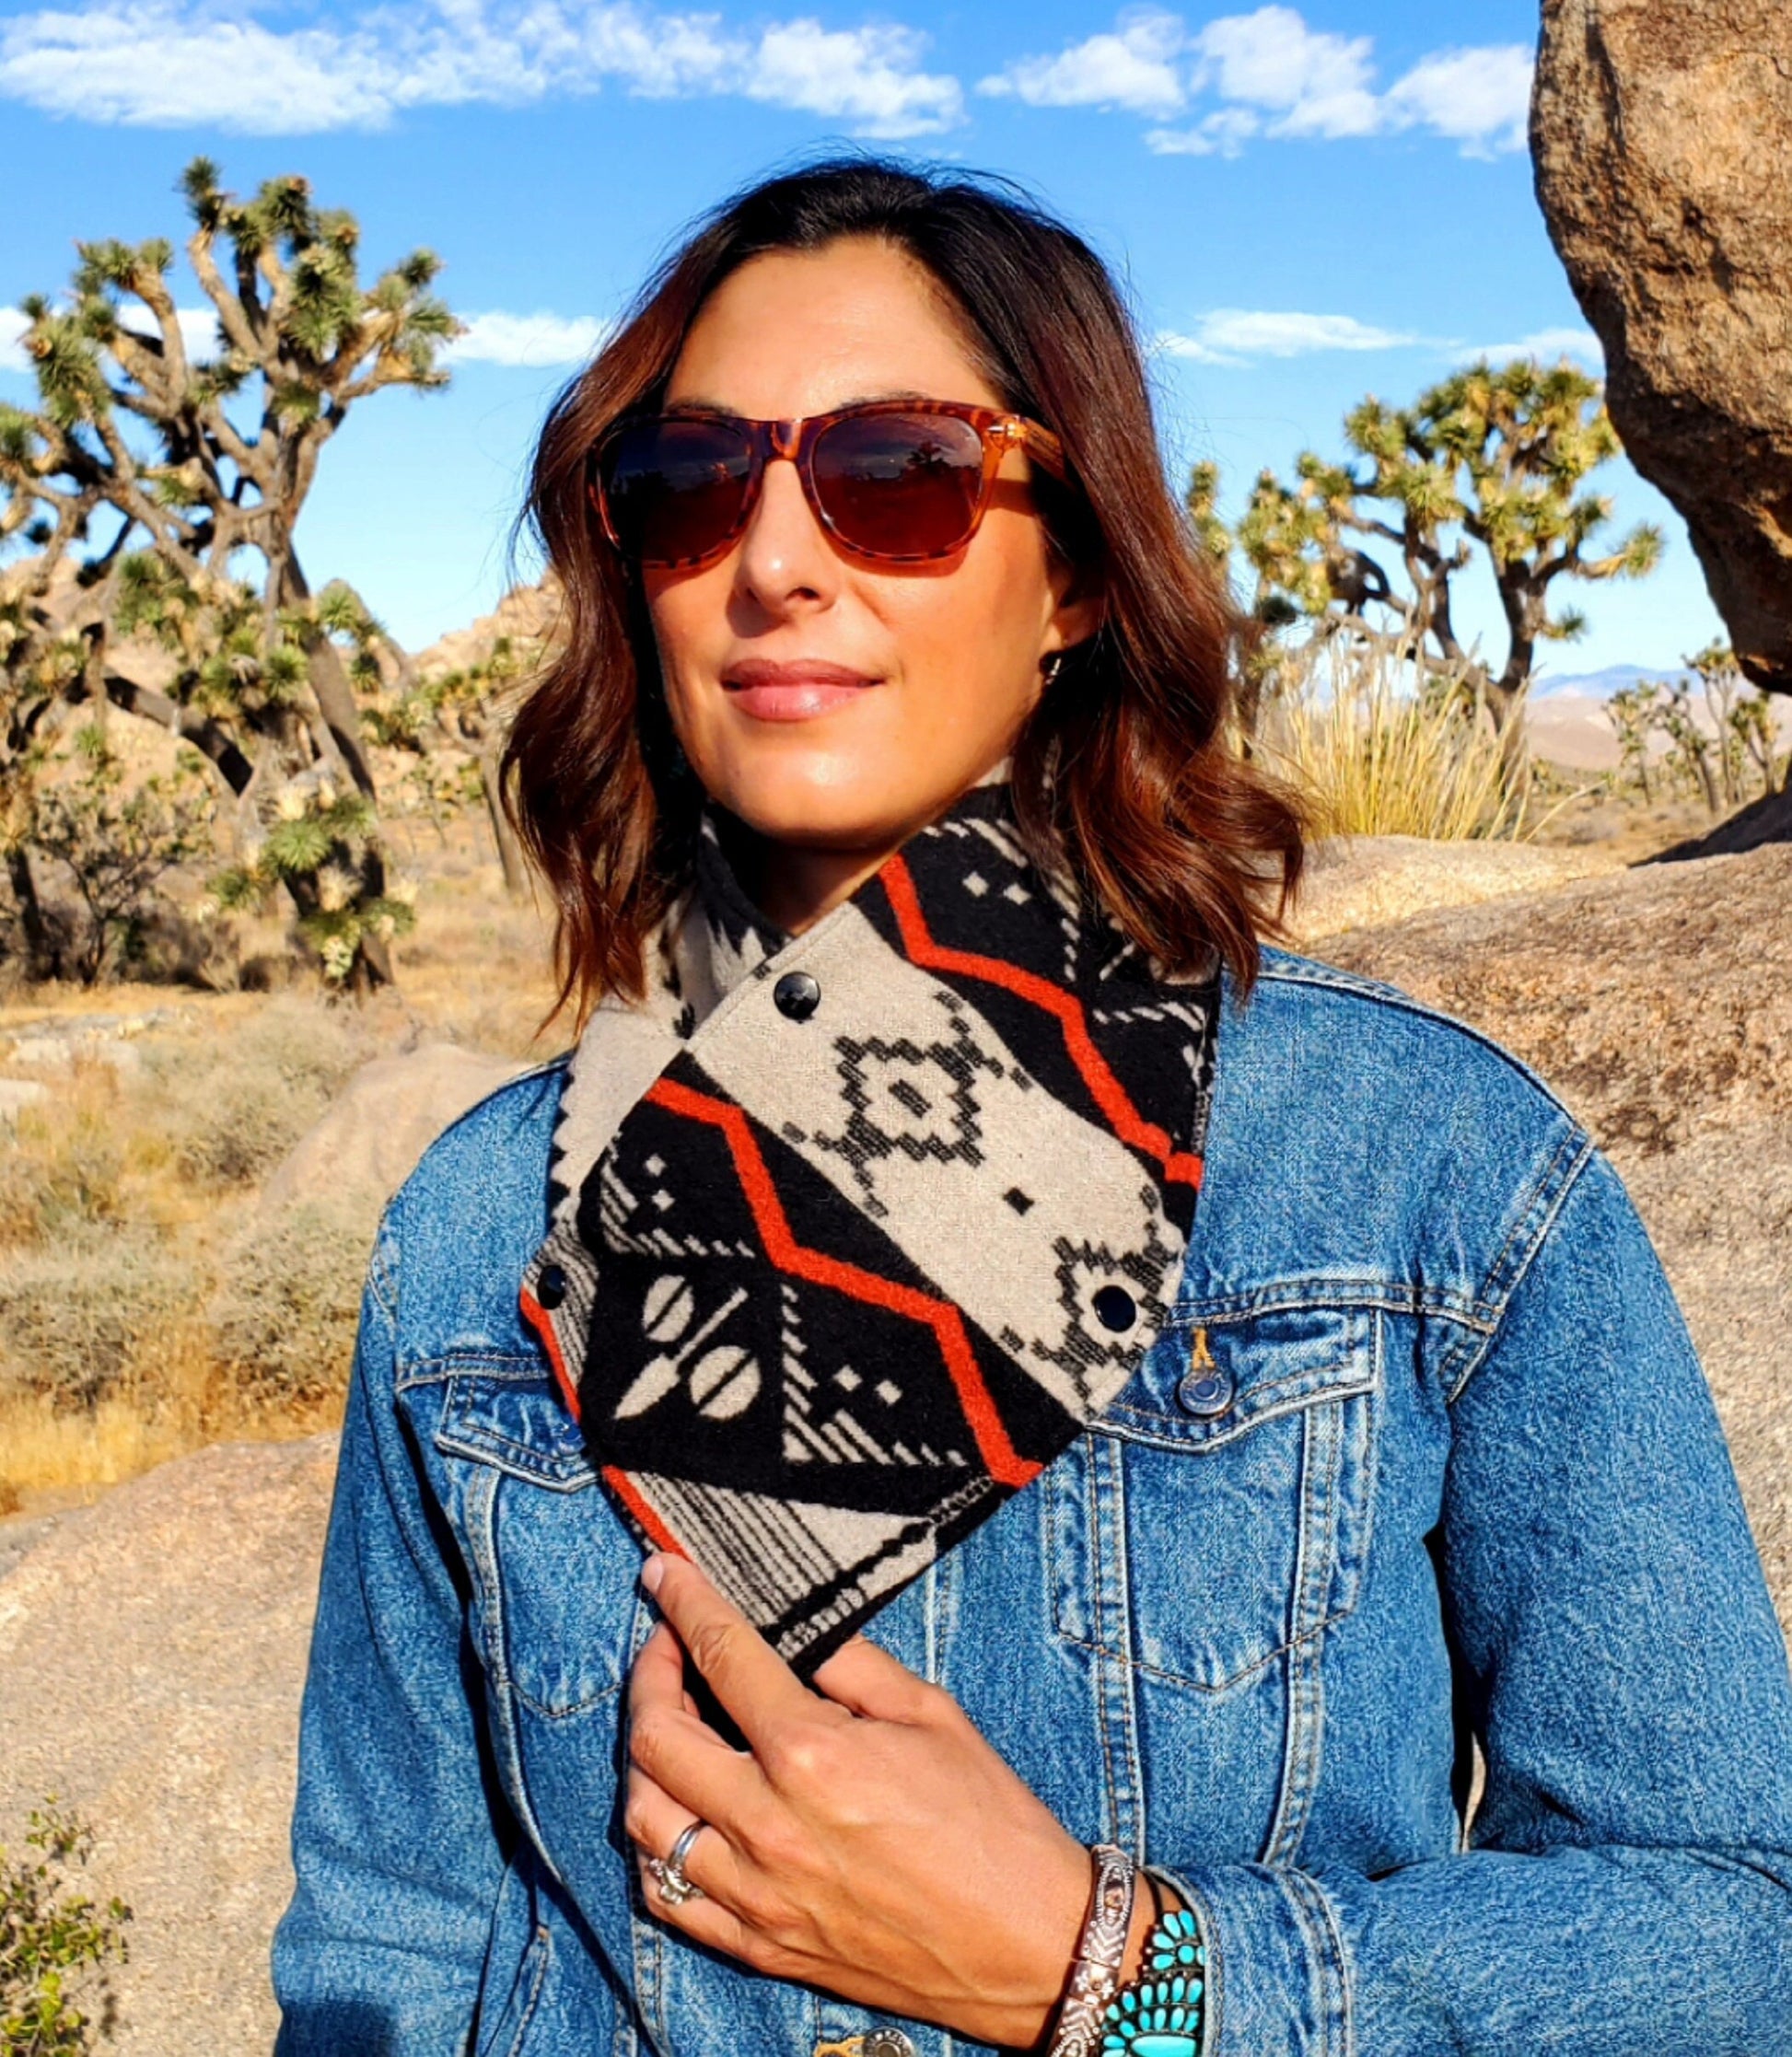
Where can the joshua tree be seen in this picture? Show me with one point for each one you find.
(1492, 456)
(188, 464)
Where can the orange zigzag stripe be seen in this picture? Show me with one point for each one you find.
(1002, 1460)
(1109, 1096)
(618, 1480)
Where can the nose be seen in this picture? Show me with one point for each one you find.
(785, 562)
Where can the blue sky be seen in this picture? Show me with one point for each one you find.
(1306, 204)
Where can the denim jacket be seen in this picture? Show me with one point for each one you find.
(1422, 1477)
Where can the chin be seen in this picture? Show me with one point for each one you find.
(830, 799)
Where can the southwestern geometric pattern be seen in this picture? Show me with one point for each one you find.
(896, 1212)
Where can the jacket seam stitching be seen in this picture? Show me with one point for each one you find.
(1540, 1218)
(1292, 1295)
(1314, 1905)
(1311, 971)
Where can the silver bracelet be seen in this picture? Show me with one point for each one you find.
(1100, 1951)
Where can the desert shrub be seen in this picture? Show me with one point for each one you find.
(117, 848)
(54, 1944)
(1381, 745)
(283, 1320)
(232, 1111)
(64, 1169)
(79, 1312)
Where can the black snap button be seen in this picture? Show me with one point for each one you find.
(551, 1288)
(1114, 1309)
(796, 995)
(1208, 1392)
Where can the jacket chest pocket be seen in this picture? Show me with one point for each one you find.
(553, 1568)
(1217, 1513)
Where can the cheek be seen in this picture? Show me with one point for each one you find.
(981, 625)
(687, 616)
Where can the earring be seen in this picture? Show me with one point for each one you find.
(1049, 665)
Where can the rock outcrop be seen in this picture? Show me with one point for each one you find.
(525, 614)
(1367, 881)
(379, 1124)
(1657, 1003)
(1659, 136)
(152, 1653)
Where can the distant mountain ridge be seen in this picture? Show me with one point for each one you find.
(1602, 685)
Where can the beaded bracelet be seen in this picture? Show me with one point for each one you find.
(1162, 2013)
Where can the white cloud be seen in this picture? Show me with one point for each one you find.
(1315, 83)
(866, 77)
(1479, 97)
(1223, 133)
(146, 64)
(1235, 335)
(1131, 68)
(199, 336)
(1545, 344)
(157, 63)
(527, 339)
(13, 326)
(1273, 76)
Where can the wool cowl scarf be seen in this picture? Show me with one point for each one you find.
(853, 1232)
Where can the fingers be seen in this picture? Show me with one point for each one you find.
(750, 1679)
(672, 1745)
(869, 1682)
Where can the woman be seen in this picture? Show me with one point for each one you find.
(1083, 1381)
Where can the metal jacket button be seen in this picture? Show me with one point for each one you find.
(1208, 1391)
(551, 1288)
(888, 2042)
(796, 995)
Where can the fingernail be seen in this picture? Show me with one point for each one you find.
(653, 1571)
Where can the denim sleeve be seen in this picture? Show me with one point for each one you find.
(1628, 1883)
(396, 1834)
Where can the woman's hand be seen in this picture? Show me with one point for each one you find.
(869, 1841)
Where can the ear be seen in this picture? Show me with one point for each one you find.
(1078, 604)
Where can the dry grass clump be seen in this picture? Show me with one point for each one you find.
(230, 1110)
(1381, 745)
(283, 1321)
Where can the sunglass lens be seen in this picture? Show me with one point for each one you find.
(673, 490)
(899, 485)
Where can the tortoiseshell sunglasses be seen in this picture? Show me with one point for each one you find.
(905, 482)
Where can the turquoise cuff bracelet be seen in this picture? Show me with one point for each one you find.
(1162, 2011)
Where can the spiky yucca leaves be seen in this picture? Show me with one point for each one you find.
(311, 839)
(1519, 443)
(207, 454)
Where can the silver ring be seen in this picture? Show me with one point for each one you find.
(675, 1889)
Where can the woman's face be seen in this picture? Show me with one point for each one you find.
(830, 702)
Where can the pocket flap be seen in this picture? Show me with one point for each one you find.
(518, 1423)
(1205, 1382)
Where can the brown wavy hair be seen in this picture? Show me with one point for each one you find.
(1125, 777)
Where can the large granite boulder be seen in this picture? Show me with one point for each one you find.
(1660, 136)
(367, 1143)
(152, 1651)
(1657, 1003)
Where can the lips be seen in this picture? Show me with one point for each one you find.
(798, 689)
